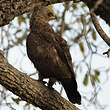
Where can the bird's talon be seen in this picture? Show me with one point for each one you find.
(44, 82)
(50, 87)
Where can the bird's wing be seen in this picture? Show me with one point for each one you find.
(59, 43)
(65, 51)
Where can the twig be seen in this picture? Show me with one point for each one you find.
(96, 5)
(96, 23)
(99, 29)
(63, 18)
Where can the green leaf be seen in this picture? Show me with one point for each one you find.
(74, 5)
(27, 104)
(85, 81)
(21, 19)
(97, 78)
(93, 80)
(67, 27)
(16, 100)
(81, 45)
(94, 35)
(97, 73)
(50, 7)
(83, 5)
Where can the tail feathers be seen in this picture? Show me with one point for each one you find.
(70, 87)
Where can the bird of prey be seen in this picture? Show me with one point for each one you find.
(50, 53)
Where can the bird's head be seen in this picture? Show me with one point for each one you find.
(46, 14)
(42, 14)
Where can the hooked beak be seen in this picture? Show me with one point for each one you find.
(53, 17)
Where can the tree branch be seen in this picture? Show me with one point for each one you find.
(102, 10)
(30, 90)
(9, 9)
(99, 29)
(12, 8)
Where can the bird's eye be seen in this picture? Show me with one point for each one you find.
(50, 14)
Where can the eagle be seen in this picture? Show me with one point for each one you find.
(50, 54)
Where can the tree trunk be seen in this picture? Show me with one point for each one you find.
(30, 90)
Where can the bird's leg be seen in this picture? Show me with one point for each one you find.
(51, 82)
(41, 79)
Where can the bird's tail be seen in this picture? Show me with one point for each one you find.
(70, 87)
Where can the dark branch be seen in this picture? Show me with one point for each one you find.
(31, 90)
(99, 29)
(9, 9)
(102, 10)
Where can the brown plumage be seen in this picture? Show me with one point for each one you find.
(50, 53)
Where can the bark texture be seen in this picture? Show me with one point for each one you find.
(9, 9)
(31, 90)
(102, 10)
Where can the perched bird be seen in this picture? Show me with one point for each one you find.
(50, 53)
